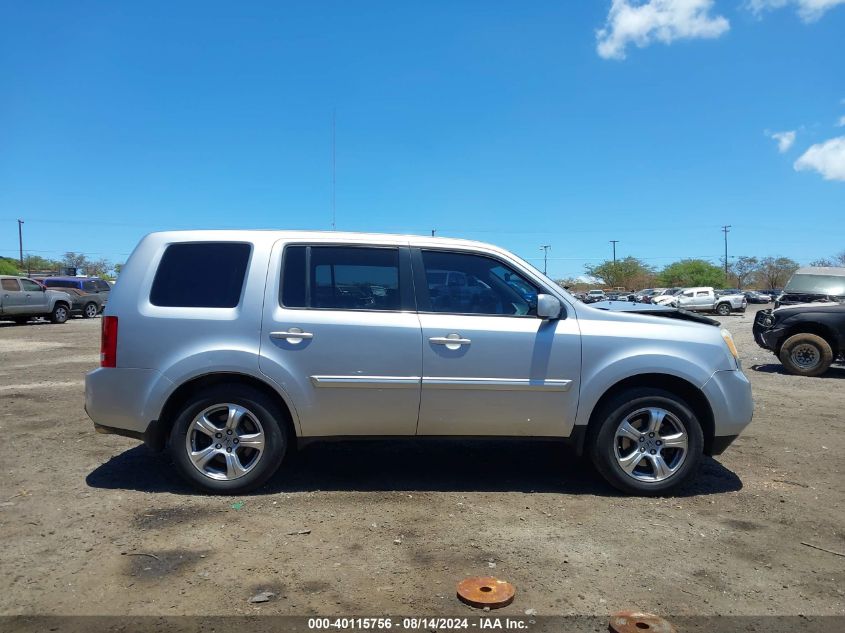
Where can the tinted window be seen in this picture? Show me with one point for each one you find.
(30, 286)
(101, 285)
(201, 275)
(59, 283)
(476, 285)
(10, 284)
(89, 286)
(341, 278)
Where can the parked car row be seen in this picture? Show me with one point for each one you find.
(23, 299)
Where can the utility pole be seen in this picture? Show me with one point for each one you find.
(334, 171)
(433, 231)
(545, 248)
(20, 240)
(614, 242)
(726, 229)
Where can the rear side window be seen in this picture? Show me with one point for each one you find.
(89, 286)
(341, 278)
(10, 284)
(201, 275)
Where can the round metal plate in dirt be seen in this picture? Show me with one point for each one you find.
(486, 591)
(637, 622)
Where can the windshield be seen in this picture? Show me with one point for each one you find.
(817, 284)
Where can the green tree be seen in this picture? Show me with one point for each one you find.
(775, 271)
(743, 270)
(692, 272)
(36, 263)
(629, 273)
(9, 266)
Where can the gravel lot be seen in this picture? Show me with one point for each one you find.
(94, 524)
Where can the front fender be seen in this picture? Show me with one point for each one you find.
(599, 379)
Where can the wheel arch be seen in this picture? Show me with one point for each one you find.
(810, 327)
(159, 430)
(691, 394)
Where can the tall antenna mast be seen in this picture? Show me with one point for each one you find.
(334, 170)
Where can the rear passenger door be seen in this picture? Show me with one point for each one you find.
(341, 335)
(12, 299)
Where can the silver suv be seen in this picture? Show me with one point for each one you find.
(229, 348)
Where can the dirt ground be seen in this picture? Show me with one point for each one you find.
(94, 524)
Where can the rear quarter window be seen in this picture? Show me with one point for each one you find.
(201, 275)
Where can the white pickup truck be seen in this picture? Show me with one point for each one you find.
(704, 299)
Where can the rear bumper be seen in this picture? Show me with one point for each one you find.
(729, 395)
(126, 400)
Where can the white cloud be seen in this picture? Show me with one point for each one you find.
(784, 139)
(808, 10)
(827, 158)
(841, 121)
(643, 22)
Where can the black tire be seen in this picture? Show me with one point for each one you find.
(90, 310)
(723, 309)
(603, 440)
(60, 313)
(799, 350)
(273, 422)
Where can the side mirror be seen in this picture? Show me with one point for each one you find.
(548, 307)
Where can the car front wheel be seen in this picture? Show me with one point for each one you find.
(806, 355)
(59, 313)
(90, 310)
(647, 442)
(228, 439)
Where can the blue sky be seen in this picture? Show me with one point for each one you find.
(562, 123)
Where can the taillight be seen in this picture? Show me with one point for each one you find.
(108, 342)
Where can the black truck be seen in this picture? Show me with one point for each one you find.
(807, 338)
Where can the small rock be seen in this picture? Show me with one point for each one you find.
(531, 612)
(263, 596)
(491, 565)
(397, 541)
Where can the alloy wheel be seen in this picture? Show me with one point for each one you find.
(225, 441)
(651, 444)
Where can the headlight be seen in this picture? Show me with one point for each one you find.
(729, 341)
(768, 320)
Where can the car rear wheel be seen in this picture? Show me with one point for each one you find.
(229, 439)
(723, 309)
(90, 310)
(646, 442)
(59, 314)
(806, 355)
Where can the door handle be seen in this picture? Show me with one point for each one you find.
(452, 339)
(292, 335)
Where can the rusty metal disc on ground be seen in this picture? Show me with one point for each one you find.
(637, 622)
(485, 591)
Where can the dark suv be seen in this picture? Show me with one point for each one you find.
(806, 338)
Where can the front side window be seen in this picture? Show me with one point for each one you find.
(30, 286)
(10, 284)
(461, 283)
(201, 275)
(341, 278)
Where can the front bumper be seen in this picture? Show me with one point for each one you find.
(765, 336)
(125, 399)
(729, 395)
